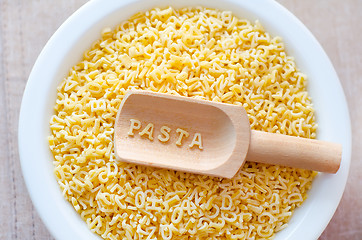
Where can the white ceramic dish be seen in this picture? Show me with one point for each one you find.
(65, 49)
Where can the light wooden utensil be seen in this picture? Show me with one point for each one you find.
(210, 138)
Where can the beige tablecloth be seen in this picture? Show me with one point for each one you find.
(25, 27)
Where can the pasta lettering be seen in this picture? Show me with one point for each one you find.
(197, 140)
(135, 125)
(148, 130)
(182, 133)
(164, 135)
(165, 131)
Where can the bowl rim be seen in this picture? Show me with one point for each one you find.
(59, 216)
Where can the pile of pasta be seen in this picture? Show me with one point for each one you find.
(194, 52)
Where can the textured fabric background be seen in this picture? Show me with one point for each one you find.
(25, 27)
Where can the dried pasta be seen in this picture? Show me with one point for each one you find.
(194, 52)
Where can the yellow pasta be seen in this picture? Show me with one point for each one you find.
(194, 52)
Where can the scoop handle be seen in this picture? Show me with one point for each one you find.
(295, 152)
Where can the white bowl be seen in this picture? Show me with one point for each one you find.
(65, 49)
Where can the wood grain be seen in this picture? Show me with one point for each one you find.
(25, 27)
(223, 128)
(226, 135)
(297, 152)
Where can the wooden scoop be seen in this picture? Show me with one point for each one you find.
(210, 138)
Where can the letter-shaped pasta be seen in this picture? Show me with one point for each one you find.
(182, 133)
(135, 125)
(165, 131)
(148, 130)
(197, 140)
